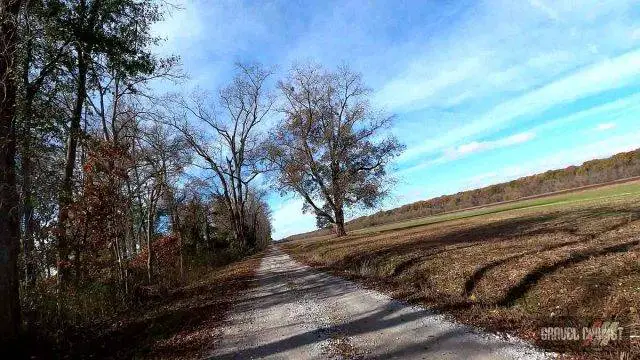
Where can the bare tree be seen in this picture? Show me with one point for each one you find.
(9, 201)
(164, 158)
(229, 143)
(330, 147)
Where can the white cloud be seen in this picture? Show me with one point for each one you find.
(605, 126)
(288, 219)
(209, 36)
(605, 75)
(550, 12)
(419, 84)
(559, 160)
(613, 109)
(470, 148)
(477, 146)
(478, 53)
(471, 72)
(481, 180)
(528, 165)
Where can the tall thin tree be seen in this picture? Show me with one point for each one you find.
(231, 147)
(9, 201)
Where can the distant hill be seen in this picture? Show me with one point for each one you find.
(599, 171)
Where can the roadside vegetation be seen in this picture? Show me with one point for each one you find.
(102, 214)
(178, 322)
(567, 260)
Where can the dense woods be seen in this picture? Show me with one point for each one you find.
(598, 171)
(100, 200)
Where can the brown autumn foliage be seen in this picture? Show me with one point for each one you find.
(108, 267)
(166, 253)
(93, 179)
(332, 147)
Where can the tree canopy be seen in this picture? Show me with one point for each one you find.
(331, 147)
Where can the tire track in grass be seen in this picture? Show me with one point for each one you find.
(477, 275)
(532, 278)
(471, 283)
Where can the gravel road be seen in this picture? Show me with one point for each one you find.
(296, 312)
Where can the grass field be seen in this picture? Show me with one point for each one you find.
(565, 260)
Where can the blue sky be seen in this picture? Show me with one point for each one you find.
(483, 91)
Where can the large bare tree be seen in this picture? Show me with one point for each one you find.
(331, 147)
(225, 134)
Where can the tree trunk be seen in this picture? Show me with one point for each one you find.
(150, 223)
(9, 201)
(175, 228)
(120, 268)
(24, 118)
(207, 235)
(27, 195)
(66, 195)
(338, 227)
(238, 227)
(77, 265)
(27, 216)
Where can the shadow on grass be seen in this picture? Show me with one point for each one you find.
(532, 278)
(496, 232)
(178, 324)
(471, 282)
(607, 230)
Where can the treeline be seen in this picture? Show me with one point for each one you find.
(99, 197)
(620, 166)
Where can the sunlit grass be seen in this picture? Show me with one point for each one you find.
(564, 260)
(610, 192)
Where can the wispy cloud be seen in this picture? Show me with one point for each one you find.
(478, 146)
(605, 126)
(612, 109)
(606, 75)
(472, 74)
(547, 10)
(420, 86)
(559, 160)
(467, 149)
(210, 36)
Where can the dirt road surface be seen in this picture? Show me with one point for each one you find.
(296, 312)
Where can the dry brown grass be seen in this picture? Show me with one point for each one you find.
(181, 323)
(512, 271)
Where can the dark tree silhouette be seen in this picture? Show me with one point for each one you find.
(9, 201)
